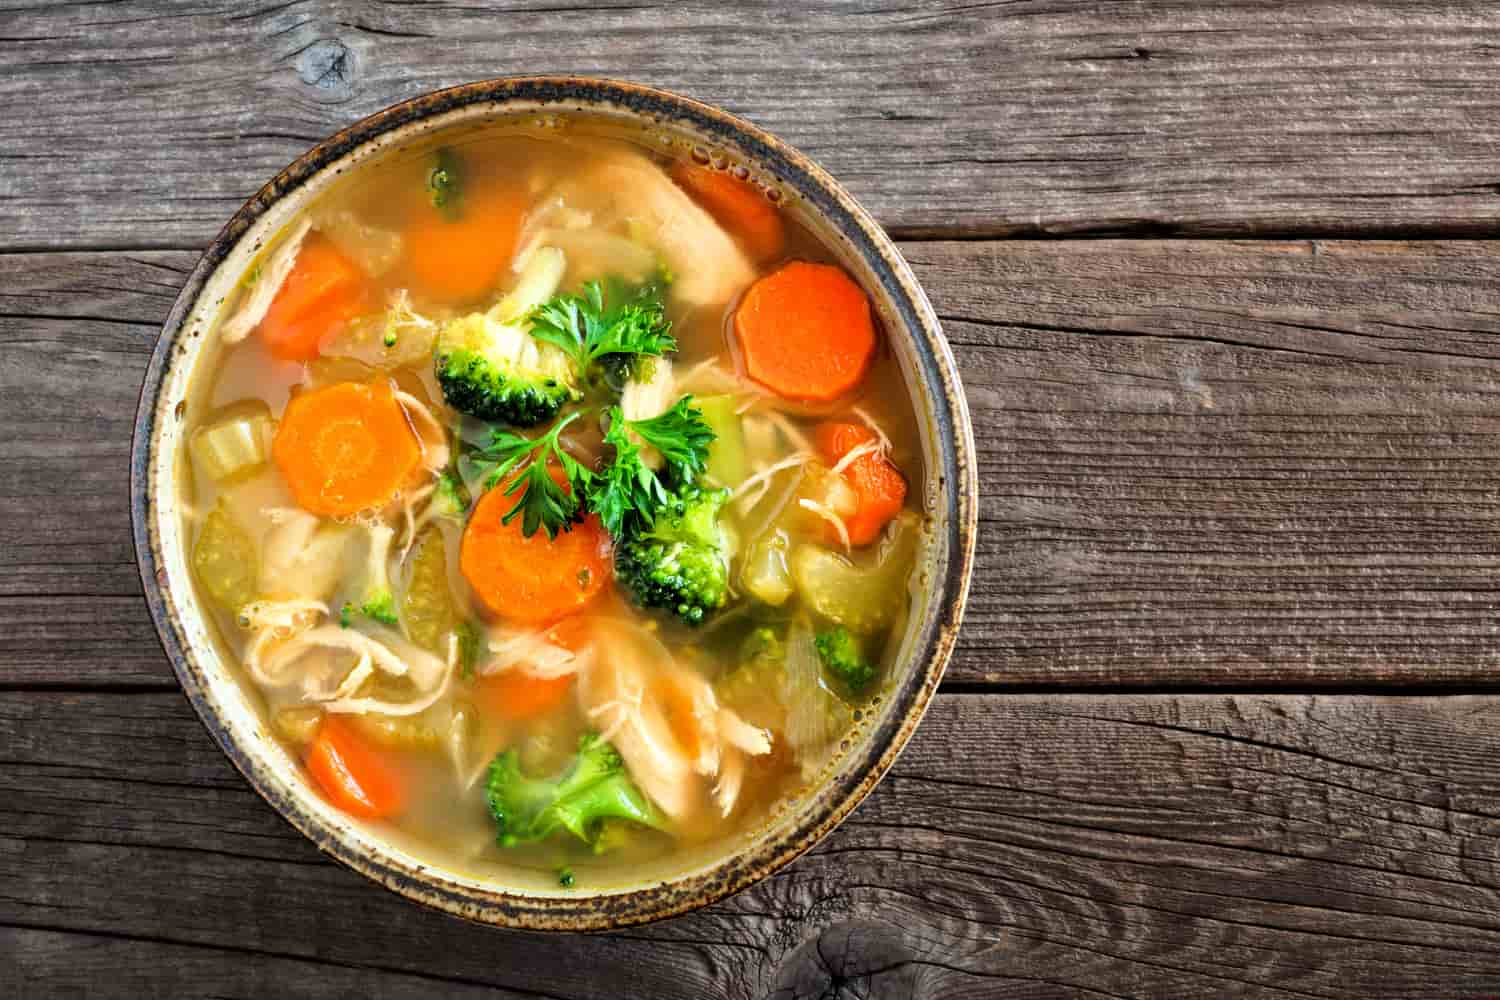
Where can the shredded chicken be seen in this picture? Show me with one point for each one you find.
(753, 490)
(274, 622)
(709, 377)
(626, 688)
(430, 432)
(301, 556)
(552, 214)
(272, 273)
(828, 515)
(869, 421)
(532, 652)
(287, 637)
(740, 740)
(625, 190)
(792, 432)
(442, 671)
(855, 454)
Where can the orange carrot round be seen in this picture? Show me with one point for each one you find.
(737, 205)
(345, 448)
(805, 332)
(536, 580)
(517, 695)
(878, 485)
(352, 775)
(460, 257)
(324, 291)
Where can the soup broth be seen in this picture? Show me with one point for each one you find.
(554, 493)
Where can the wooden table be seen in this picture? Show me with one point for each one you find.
(1222, 721)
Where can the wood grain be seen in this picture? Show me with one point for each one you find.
(145, 124)
(1024, 846)
(1202, 462)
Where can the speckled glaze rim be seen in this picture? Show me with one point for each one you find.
(951, 492)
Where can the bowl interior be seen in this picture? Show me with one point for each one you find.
(188, 349)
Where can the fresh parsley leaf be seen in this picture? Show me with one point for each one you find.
(525, 465)
(629, 492)
(681, 435)
(595, 324)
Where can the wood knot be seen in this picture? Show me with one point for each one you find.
(328, 67)
(849, 960)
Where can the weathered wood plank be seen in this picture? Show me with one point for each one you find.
(1202, 462)
(146, 124)
(1028, 846)
(44, 963)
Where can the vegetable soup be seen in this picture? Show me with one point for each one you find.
(554, 493)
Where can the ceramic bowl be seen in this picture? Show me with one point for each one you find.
(187, 347)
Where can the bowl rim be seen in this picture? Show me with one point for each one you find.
(955, 520)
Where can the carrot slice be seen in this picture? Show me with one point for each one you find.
(878, 484)
(345, 448)
(460, 258)
(535, 580)
(352, 775)
(805, 332)
(517, 695)
(324, 291)
(737, 205)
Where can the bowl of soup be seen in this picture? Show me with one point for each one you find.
(557, 498)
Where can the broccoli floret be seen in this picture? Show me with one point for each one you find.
(593, 790)
(763, 645)
(378, 601)
(681, 561)
(844, 660)
(499, 372)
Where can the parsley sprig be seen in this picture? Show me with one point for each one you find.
(626, 495)
(629, 492)
(592, 325)
(541, 501)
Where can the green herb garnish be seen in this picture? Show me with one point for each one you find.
(541, 501)
(629, 492)
(594, 325)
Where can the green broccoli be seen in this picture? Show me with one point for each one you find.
(378, 601)
(592, 790)
(681, 561)
(843, 659)
(498, 372)
(763, 645)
